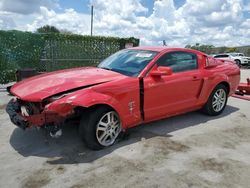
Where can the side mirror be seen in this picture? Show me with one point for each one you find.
(161, 71)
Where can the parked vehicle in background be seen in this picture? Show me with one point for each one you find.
(239, 58)
(131, 87)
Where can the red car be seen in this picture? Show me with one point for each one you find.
(131, 87)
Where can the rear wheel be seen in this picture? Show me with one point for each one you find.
(100, 128)
(217, 101)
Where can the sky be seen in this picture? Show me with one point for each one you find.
(178, 22)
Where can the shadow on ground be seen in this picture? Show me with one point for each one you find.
(69, 149)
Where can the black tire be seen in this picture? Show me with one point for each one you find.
(88, 127)
(238, 62)
(209, 108)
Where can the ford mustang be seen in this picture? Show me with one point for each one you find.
(131, 87)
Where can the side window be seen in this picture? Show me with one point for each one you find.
(221, 56)
(179, 61)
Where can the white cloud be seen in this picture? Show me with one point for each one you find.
(217, 22)
(68, 20)
(26, 6)
(195, 21)
(6, 21)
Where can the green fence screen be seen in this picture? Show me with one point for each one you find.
(53, 51)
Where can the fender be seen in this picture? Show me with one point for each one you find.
(85, 98)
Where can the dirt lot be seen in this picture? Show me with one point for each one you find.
(191, 150)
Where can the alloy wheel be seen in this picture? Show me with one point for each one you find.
(108, 128)
(219, 100)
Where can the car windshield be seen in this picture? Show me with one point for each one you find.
(128, 62)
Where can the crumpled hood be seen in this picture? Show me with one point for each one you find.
(37, 88)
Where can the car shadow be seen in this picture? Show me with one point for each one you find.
(69, 149)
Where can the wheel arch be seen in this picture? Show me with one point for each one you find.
(99, 99)
(84, 109)
(226, 84)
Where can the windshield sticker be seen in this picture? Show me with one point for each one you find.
(144, 55)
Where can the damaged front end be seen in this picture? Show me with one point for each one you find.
(34, 114)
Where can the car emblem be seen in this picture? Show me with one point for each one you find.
(131, 106)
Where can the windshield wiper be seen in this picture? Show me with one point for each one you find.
(106, 68)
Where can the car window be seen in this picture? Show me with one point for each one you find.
(179, 61)
(128, 62)
(221, 56)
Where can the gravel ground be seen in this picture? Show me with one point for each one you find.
(191, 150)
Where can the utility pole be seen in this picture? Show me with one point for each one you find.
(92, 12)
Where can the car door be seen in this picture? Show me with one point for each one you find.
(172, 94)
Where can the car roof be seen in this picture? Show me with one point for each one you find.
(236, 53)
(151, 48)
(163, 48)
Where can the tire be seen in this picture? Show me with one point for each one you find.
(238, 62)
(100, 127)
(219, 94)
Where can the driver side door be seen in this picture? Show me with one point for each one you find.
(172, 94)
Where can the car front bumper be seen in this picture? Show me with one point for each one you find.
(14, 110)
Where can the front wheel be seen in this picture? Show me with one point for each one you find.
(217, 101)
(100, 128)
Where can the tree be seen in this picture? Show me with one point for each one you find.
(65, 31)
(48, 29)
(248, 51)
(188, 46)
(222, 49)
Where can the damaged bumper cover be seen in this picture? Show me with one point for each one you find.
(14, 110)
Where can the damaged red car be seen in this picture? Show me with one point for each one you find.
(131, 87)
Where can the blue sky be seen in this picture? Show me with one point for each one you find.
(84, 5)
(77, 5)
(179, 22)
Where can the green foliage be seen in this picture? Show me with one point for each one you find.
(222, 49)
(18, 50)
(248, 52)
(53, 51)
(201, 47)
(232, 49)
(48, 29)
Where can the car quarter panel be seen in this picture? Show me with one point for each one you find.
(226, 72)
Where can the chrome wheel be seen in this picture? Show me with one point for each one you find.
(108, 128)
(219, 100)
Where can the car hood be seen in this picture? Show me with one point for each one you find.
(37, 88)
